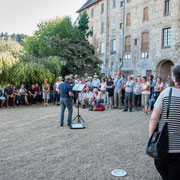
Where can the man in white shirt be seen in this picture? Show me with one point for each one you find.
(96, 82)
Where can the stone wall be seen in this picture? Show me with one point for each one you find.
(154, 25)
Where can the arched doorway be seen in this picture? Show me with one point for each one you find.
(164, 69)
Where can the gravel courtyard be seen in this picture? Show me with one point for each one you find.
(34, 146)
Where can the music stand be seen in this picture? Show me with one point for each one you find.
(78, 88)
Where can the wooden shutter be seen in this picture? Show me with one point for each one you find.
(145, 40)
(146, 13)
(128, 43)
(128, 19)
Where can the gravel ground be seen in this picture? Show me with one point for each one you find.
(34, 146)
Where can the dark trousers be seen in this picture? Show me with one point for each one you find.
(56, 97)
(137, 100)
(32, 99)
(128, 99)
(169, 168)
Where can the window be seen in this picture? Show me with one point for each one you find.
(92, 12)
(114, 3)
(122, 4)
(146, 14)
(112, 67)
(113, 45)
(113, 25)
(127, 56)
(127, 43)
(121, 25)
(145, 41)
(102, 8)
(167, 7)
(128, 20)
(144, 55)
(167, 37)
(101, 49)
(135, 42)
(102, 27)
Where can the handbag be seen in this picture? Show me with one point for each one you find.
(158, 143)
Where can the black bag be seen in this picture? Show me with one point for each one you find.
(158, 143)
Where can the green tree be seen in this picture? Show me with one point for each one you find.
(58, 37)
(83, 24)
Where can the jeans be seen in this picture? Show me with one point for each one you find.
(169, 168)
(66, 102)
(117, 98)
(97, 102)
(151, 103)
(128, 99)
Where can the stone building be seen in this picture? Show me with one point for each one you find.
(135, 36)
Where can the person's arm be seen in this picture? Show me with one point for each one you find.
(70, 92)
(154, 121)
(99, 97)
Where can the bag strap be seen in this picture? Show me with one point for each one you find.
(169, 101)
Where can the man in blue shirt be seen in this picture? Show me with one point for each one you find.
(65, 100)
(128, 93)
(118, 83)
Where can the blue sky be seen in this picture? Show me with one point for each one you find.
(21, 16)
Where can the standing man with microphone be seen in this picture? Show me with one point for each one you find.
(66, 93)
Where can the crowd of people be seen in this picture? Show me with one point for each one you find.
(118, 92)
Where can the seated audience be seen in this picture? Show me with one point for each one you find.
(8, 93)
(17, 95)
(46, 89)
(86, 98)
(32, 94)
(95, 99)
(89, 83)
(2, 98)
(39, 94)
(24, 95)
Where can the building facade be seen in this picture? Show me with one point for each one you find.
(135, 36)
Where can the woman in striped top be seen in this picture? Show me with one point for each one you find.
(169, 168)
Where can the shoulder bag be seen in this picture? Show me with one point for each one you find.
(158, 143)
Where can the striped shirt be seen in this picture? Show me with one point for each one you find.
(174, 117)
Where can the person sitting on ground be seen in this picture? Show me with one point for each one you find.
(128, 93)
(80, 98)
(2, 98)
(96, 82)
(109, 92)
(95, 99)
(158, 87)
(86, 98)
(24, 95)
(17, 95)
(145, 89)
(8, 93)
(46, 89)
(32, 94)
(39, 94)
